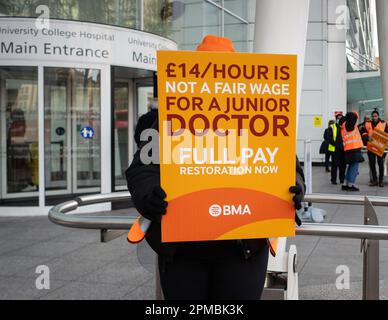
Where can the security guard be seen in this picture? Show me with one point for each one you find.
(338, 163)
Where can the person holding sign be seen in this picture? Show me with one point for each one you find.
(231, 268)
(371, 126)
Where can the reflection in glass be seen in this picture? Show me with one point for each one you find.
(121, 103)
(122, 13)
(184, 21)
(237, 31)
(145, 94)
(19, 129)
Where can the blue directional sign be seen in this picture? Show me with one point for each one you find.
(87, 132)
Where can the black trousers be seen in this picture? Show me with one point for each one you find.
(214, 277)
(372, 166)
(338, 165)
(328, 155)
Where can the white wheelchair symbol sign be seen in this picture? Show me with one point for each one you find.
(87, 133)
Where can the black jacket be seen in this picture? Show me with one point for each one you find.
(354, 155)
(145, 122)
(364, 133)
(324, 148)
(338, 143)
(143, 178)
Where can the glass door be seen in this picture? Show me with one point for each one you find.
(121, 135)
(19, 132)
(144, 96)
(72, 101)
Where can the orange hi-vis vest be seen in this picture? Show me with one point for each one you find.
(380, 126)
(351, 139)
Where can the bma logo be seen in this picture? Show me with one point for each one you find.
(215, 210)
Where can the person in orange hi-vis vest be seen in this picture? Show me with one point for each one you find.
(352, 141)
(222, 269)
(381, 125)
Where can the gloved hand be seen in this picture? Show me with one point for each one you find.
(298, 198)
(154, 204)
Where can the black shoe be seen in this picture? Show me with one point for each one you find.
(373, 184)
(327, 170)
(344, 188)
(334, 183)
(353, 188)
(381, 184)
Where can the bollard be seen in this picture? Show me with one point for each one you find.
(370, 249)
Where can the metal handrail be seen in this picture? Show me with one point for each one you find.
(368, 62)
(370, 233)
(58, 216)
(345, 199)
(363, 56)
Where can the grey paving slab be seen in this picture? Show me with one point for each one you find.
(34, 234)
(327, 265)
(18, 265)
(102, 251)
(50, 249)
(146, 291)
(131, 273)
(330, 292)
(24, 288)
(66, 269)
(79, 236)
(308, 279)
(77, 290)
(9, 246)
(383, 254)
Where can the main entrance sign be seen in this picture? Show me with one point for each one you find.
(227, 123)
(73, 41)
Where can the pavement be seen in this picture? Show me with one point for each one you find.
(80, 267)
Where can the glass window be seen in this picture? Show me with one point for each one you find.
(19, 131)
(237, 31)
(121, 120)
(238, 7)
(185, 21)
(116, 12)
(199, 18)
(158, 16)
(72, 103)
(145, 94)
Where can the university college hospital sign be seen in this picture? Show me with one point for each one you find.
(71, 41)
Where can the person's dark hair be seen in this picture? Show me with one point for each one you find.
(351, 121)
(375, 112)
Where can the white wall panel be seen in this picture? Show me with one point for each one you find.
(315, 14)
(314, 53)
(312, 103)
(316, 31)
(337, 89)
(313, 78)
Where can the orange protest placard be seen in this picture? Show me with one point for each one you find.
(378, 142)
(227, 126)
